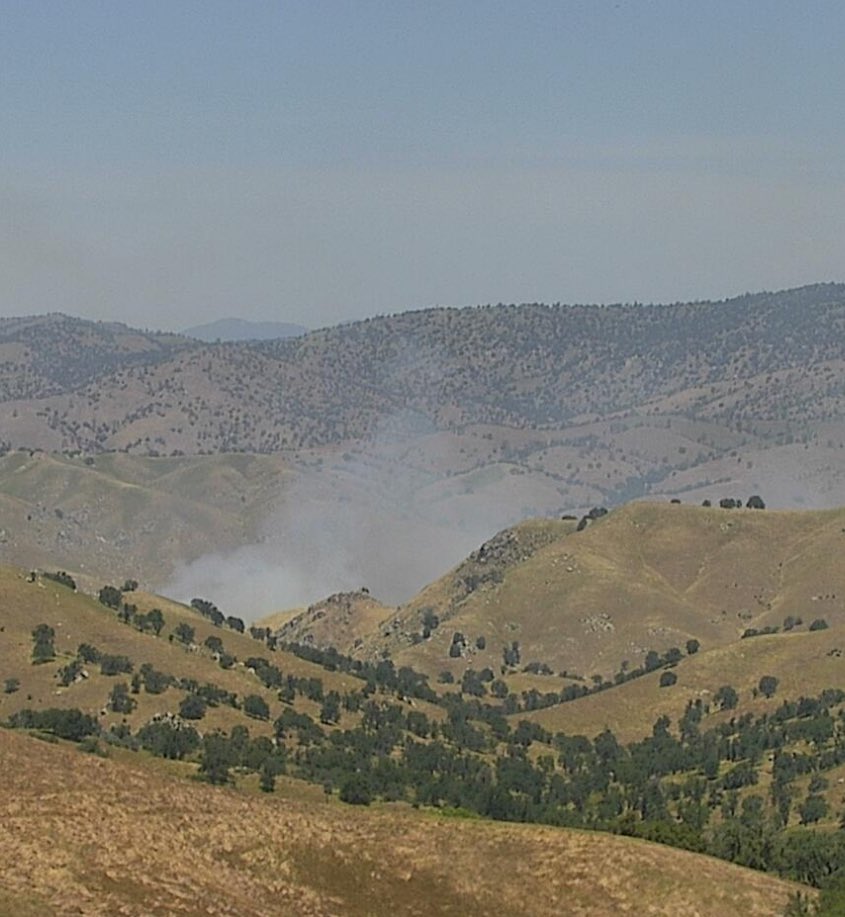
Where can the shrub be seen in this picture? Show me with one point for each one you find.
(256, 707)
(667, 679)
(192, 707)
(356, 791)
(115, 665)
(63, 578)
(768, 685)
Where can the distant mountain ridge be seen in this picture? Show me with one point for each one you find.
(529, 409)
(239, 329)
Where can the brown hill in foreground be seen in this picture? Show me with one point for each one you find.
(84, 835)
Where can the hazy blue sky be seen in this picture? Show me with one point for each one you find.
(167, 163)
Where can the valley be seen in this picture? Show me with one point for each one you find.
(484, 580)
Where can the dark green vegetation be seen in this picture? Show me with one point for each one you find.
(748, 788)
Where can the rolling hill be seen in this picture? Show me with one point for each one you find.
(647, 576)
(437, 427)
(535, 383)
(123, 676)
(79, 834)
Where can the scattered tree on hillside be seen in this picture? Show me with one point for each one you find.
(214, 643)
(330, 710)
(184, 633)
(115, 665)
(154, 621)
(216, 759)
(767, 685)
(69, 673)
(120, 700)
(256, 707)
(192, 707)
(110, 596)
(43, 649)
(726, 698)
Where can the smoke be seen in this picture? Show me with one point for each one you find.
(376, 517)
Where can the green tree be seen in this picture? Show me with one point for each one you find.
(115, 665)
(43, 649)
(214, 643)
(355, 790)
(88, 653)
(110, 596)
(120, 700)
(256, 707)
(726, 697)
(155, 621)
(813, 809)
(216, 758)
(767, 685)
(193, 707)
(267, 781)
(184, 633)
(330, 710)
(68, 674)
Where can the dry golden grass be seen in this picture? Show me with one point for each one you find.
(648, 576)
(87, 836)
(77, 618)
(117, 515)
(802, 662)
(337, 621)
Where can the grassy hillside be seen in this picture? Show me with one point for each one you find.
(338, 621)
(118, 515)
(127, 839)
(124, 676)
(805, 664)
(80, 619)
(645, 577)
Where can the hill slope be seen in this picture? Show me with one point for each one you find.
(535, 384)
(645, 577)
(161, 845)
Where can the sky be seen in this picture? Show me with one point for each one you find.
(170, 163)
